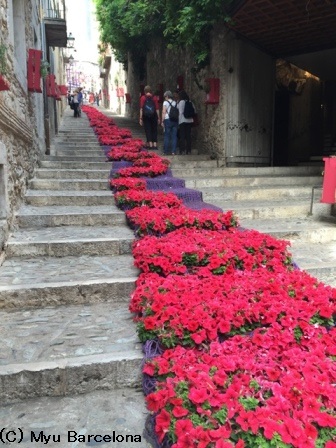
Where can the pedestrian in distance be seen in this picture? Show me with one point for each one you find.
(186, 118)
(170, 116)
(80, 100)
(75, 103)
(149, 117)
(97, 99)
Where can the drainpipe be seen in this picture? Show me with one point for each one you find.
(45, 98)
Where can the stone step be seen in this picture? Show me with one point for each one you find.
(265, 193)
(313, 163)
(74, 158)
(304, 229)
(67, 152)
(68, 350)
(69, 184)
(76, 141)
(74, 165)
(43, 281)
(54, 216)
(252, 181)
(193, 161)
(70, 241)
(120, 412)
(49, 173)
(68, 197)
(258, 209)
(190, 171)
(85, 145)
(318, 259)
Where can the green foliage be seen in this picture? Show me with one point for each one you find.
(249, 403)
(44, 69)
(3, 66)
(129, 25)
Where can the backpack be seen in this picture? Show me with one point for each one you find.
(173, 112)
(149, 109)
(189, 110)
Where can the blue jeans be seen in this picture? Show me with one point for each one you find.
(170, 136)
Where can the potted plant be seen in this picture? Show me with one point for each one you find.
(4, 85)
(44, 69)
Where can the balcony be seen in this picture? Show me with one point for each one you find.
(55, 24)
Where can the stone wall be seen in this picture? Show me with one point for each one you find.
(231, 127)
(21, 112)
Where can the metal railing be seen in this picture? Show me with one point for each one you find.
(315, 187)
(55, 10)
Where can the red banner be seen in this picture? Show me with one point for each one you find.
(51, 85)
(34, 70)
(63, 90)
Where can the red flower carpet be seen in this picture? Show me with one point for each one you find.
(240, 345)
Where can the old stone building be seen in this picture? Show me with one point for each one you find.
(31, 35)
(267, 96)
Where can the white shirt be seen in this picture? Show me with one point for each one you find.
(182, 118)
(167, 105)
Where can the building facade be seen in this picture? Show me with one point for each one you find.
(32, 34)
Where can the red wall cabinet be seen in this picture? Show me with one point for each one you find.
(180, 82)
(160, 90)
(213, 91)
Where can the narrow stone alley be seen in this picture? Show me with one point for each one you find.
(70, 358)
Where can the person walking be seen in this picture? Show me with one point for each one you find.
(149, 117)
(97, 99)
(75, 103)
(80, 101)
(186, 113)
(169, 123)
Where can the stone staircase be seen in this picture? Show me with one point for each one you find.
(274, 200)
(70, 358)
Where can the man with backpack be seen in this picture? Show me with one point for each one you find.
(186, 118)
(170, 118)
(149, 117)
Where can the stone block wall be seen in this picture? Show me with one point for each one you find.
(21, 112)
(232, 61)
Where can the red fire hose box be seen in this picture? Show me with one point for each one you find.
(329, 180)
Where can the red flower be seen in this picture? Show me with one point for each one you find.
(198, 395)
(162, 423)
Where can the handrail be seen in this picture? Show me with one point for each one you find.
(315, 187)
